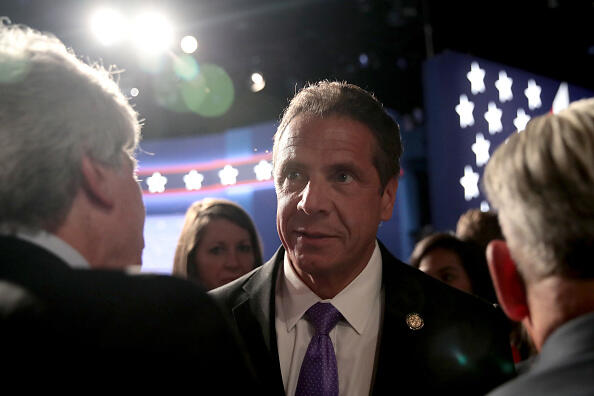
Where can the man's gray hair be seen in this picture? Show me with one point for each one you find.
(54, 108)
(542, 183)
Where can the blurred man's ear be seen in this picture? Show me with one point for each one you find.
(509, 285)
(97, 182)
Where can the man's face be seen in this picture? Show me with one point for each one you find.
(129, 214)
(329, 196)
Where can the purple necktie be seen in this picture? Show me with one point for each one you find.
(319, 374)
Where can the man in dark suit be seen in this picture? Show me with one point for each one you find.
(333, 312)
(542, 184)
(71, 213)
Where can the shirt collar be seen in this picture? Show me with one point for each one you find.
(353, 301)
(56, 246)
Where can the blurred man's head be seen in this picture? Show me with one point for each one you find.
(67, 142)
(542, 183)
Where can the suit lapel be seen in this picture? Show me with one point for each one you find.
(396, 348)
(254, 314)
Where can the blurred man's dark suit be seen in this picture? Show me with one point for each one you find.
(564, 366)
(139, 329)
(462, 349)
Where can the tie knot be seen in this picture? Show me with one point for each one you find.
(323, 316)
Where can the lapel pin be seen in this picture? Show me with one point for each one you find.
(414, 321)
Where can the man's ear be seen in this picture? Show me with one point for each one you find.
(509, 285)
(97, 182)
(388, 198)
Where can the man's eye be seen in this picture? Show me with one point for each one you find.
(344, 177)
(293, 175)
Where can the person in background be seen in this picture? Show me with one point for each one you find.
(333, 312)
(218, 243)
(460, 264)
(71, 218)
(479, 227)
(541, 182)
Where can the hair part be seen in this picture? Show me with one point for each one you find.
(340, 99)
(542, 183)
(54, 108)
(198, 216)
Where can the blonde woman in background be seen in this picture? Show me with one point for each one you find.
(218, 244)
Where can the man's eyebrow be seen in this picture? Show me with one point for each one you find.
(348, 165)
(290, 163)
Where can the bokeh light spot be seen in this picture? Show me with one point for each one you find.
(185, 67)
(461, 358)
(13, 69)
(167, 92)
(210, 93)
(189, 44)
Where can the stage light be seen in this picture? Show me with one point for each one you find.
(189, 44)
(109, 26)
(258, 82)
(134, 92)
(153, 33)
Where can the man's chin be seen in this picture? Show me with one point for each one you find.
(313, 265)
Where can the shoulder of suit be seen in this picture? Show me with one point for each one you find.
(231, 293)
(430, 290)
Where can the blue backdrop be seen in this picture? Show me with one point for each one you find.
(472, 105)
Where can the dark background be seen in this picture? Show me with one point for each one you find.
(292, 42)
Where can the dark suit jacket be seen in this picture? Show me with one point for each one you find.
(564, 366)
(463, 347)
(57, 323)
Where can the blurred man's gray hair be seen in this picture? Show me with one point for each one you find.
(54, 108)
(542, 183)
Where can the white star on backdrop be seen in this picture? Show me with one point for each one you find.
(193, 180)
(561, 100)
(156, 183)
(503, 85)
(464, 110)
(263, 170)
(485, 206)
(470, 183)
(476, 76)
(521, 120)
(481, 149)
(228, 175)
(493, 117)
(533, 95)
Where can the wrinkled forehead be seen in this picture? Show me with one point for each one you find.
(324, 134)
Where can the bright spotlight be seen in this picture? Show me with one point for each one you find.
(134, 92)
(258, 82)
(189, 44)
(153, 33)
(108, 25)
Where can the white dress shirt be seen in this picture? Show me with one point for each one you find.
(354, 338)
(56, 246)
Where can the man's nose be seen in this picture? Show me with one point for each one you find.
(314, 198)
